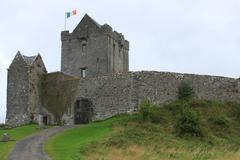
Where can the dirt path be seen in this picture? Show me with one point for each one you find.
(31, 148)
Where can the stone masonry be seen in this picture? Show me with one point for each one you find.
(93, 48)
(95, 82)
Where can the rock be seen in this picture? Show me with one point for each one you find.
(5, 137)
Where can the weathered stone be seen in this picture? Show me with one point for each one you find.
(25, 76)
(94, 48)
(5, 137)
(108, 88)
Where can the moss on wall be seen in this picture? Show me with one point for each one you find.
(58, 93)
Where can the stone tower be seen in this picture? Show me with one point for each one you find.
(24, 89)
(93, 49)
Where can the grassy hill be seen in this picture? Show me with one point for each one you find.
(183, 130)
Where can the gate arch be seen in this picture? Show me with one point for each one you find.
(83, 111)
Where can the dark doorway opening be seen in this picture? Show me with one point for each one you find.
(83, 111)
(45, 120)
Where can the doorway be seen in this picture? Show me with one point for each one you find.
(83, 111)
(45, 120)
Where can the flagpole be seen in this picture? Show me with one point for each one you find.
(65, 22)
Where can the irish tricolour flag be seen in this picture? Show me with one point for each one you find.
(69, 14)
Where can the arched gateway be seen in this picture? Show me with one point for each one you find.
(83, 111)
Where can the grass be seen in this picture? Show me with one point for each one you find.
(130, 137)
(16, 134)
(69, 144)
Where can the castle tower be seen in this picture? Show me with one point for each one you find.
(93, 49)
(24, 89)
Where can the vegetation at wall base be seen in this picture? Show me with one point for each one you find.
(15, 134)
(184, 129)
(185, 91)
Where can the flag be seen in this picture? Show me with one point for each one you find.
(69, 14)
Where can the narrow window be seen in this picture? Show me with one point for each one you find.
(113, 58)
(120, 51)
(84, 49)
(83, 72)
(114, 47)
(97, 65)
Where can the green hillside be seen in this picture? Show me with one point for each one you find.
(184, 130)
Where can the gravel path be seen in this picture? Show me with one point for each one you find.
(31, 148)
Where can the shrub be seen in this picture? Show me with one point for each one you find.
(150, 112)
(199, 103)
(156, 115)
(220, 120)
(176, 107)
(236, 110)
(145, 110)
(188, 123)
(185, 91)
(5, 126)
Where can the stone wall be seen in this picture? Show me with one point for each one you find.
(110, 95)
(58, 93)
(96, 48)
(121, 93)
(25, 76)
(162, 87)
(37, 71)
(18, 92)
(84, 51)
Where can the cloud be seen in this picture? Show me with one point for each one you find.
(200, 37)
(4, 62)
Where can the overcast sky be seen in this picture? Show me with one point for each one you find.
(190, 36)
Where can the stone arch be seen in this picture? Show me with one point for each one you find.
(83, 111)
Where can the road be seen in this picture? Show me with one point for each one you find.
(31, 148)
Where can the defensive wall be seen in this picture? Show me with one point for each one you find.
(121, 93)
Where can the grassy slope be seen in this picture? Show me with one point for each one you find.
(16, 134)
(130, 138)
(67, 145)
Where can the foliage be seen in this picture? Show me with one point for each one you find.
(56, 93)
(156, 115)
(5, 126)
(188, 123)
(237, 110)
(145, 109)
(151, 112)
(185, 91)
(177, 106)
(220, 120)
(129, 137)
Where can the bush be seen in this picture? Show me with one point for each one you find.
(236, 110)
(5, 126)
(145, 110)
(220, 120)
(176, 107)
(188, 123)
(156, 115)
(150, 112)
(199, 103)
(185, 91)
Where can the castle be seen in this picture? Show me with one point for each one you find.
(95, 82)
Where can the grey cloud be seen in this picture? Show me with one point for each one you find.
(200, 36)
